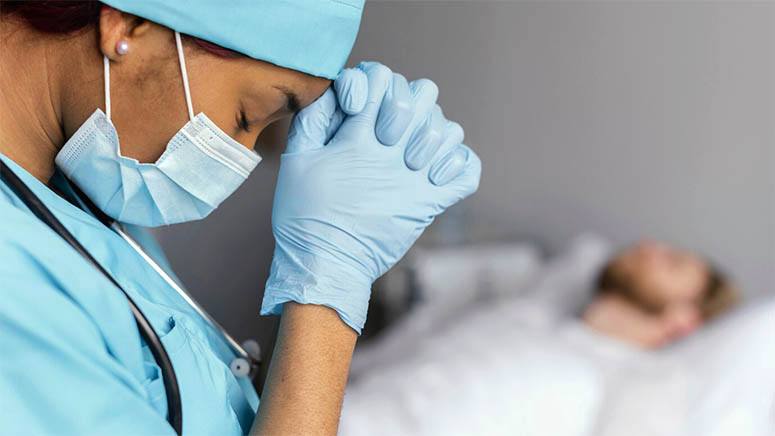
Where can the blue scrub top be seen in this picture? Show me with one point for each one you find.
(71, 357)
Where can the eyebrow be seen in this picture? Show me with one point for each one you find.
(291, 99)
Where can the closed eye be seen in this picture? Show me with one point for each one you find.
(292, 104)
(242, 122)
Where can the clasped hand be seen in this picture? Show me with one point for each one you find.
(367, 168)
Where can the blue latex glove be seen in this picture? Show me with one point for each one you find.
(347, 207)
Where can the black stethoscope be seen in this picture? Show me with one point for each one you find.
(248, 354)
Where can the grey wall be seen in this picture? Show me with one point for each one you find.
(629, 119)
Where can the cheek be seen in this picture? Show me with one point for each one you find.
(221, 107)
(683, 319)
(223, 110)
(148, 109)
(215, 92)
(695, 286)
(248, 139)
(273, 138)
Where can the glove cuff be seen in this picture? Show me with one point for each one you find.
(310, 279)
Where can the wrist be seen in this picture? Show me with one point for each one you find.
(306, 278)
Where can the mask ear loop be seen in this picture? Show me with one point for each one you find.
(181, 59)
(186, 89)
(106, 66)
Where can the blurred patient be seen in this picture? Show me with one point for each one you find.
(651, 294)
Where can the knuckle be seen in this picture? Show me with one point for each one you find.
(455, 130)
(365, 65)
(398, 77)
(360, 77)
(438, 116)
(476, 169)
(380, 72)
(435, 128)
(473, 158)
(431, 128)
(435, 137)
(426, 83)
(346, 74)
(426, 86)
(427, 135)
(349, 77)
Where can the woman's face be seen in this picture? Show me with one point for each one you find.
(240, 95)
(664, 277)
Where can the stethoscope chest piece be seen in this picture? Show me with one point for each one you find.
(240, 367)
(247, 366)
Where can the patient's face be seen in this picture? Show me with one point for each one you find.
(664, 278)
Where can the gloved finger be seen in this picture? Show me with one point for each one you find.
(424, 95)
(352, 89)
(313, 126)
(378, 78)
(396, 111)
(467, 166)
(453, 136)
(426, 140)
(449, 166)
(424, 90)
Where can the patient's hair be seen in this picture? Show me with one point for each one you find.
(719, 296)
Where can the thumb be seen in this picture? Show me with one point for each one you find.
(352, 88)
(315, 124)
(378, 78)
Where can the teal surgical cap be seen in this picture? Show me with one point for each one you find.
(311, 36)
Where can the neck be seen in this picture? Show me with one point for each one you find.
(33, 66)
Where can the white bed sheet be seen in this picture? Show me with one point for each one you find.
(720, 382)
(476, 378)
(525, 366)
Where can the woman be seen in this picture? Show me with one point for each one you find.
(111, 121)
(652, 294)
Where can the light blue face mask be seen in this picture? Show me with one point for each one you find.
(201, 166)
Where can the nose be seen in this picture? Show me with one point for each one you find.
(683, 319)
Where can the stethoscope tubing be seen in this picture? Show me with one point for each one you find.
(233, 344)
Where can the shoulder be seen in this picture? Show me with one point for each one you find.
(43, 277)
(29, 250)
(37, 272)
(51, 304)
(61, 341)
(23, 237)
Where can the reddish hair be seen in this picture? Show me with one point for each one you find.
(216, 49)
(69, 16)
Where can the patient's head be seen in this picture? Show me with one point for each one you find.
(675, 287)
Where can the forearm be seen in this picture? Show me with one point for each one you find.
(307, 375)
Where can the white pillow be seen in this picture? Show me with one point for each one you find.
(456, 276)
(450, 282)
(563, 284)
(453, 281)
(732, 373)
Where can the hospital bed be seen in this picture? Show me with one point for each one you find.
(495, 348)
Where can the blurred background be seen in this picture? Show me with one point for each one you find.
(623, 119)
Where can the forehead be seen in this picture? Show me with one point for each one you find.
(649, 257)
(255, 75)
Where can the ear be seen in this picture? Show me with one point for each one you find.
(116, 26)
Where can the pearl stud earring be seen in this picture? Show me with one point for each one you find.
(122, 47)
